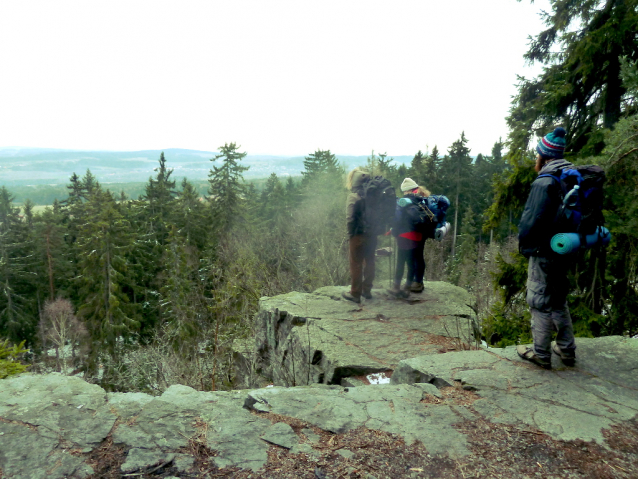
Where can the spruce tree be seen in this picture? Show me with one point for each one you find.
(273, 200)
(620, 160)
(159, 198)
(418, 168)
(580, 87)
(227, 189)
(18, 312)
(182, 307)
(150, 217)
(456, 170)
(431, 169)
(104, 279)
(53, 253)
(190, 216)
(317, 164)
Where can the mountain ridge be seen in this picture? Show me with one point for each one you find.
(21, 166)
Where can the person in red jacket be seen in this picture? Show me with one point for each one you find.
(426, 228)
(406, 231)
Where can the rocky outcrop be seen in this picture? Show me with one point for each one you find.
(565, 403)
(441, 397)
(54, 426)
(319, 337)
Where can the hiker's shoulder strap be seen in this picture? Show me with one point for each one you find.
(558, 182)
(548, 175)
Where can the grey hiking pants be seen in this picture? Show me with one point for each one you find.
(547, 288)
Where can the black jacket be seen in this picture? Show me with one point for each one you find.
(536, 227)
(355, 208)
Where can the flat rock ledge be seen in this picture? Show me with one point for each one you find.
(319, 337)
(54, 426)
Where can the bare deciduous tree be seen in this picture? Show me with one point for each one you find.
(61, 329)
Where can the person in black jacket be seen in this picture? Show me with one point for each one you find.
(547, 283)
(362, 243)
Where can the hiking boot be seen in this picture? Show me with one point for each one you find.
(568, 359)
(397, 292)
(416, 287)
(350, 297)
(367, 294)
(528, 354)
(406, 286)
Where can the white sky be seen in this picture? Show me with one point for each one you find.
(276, 77)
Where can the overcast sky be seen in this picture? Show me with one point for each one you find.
(276, 77)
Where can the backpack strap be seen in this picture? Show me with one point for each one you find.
(547, 175)
(561, 193)
(571, 172)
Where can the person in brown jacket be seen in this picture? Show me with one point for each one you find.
(362, 243)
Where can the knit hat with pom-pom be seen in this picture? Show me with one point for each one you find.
(552, 145)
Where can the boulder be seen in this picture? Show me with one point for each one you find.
(566, 403)
(319, 337)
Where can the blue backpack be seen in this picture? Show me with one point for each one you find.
(581, 209)
(438, 205)
(432, 209)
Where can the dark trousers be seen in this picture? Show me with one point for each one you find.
(419, 262)
(362, 251)
(404, 256)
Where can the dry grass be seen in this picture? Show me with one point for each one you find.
(453, 396)
(107, 459)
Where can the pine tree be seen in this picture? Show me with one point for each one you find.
(620, 160)
(89, 184)
(418, 168)
(183, 307)
(27, 210)
(160, 192)
(75, 190)
(150, 217)
(432, 173)
(80, 191)
(273, 201)
(290, 187)
(464, 264)
(103, 244)
(580, 86)
(53, 253)
(317, 164)
(487, 170)
(18, 317)
(227, 189)
(456, 178)
(190, 216)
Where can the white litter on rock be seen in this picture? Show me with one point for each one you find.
(378, 378)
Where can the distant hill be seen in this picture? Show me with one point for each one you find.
(43, 166)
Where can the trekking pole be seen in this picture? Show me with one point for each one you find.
(390, 264)
(393, 261)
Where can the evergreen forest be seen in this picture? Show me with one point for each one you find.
(142, 293)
